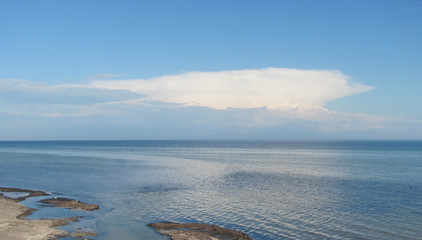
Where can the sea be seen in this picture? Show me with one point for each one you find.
(301, 189)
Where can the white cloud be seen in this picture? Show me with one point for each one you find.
(262, 103)
(261, 97)
(324, 119)
(23, 91)
(273, 88)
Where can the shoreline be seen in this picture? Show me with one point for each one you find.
(13, 224)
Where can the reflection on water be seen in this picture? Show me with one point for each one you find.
(270, 190)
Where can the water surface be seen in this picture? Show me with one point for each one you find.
(267, 189)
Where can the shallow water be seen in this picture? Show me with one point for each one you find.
(267, 189)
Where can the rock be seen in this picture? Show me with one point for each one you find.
(197, 231)
(70, 203)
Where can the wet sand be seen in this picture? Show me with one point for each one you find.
(14, 226)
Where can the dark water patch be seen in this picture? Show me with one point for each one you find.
(161, 188)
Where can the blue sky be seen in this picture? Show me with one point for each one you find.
(210, 69)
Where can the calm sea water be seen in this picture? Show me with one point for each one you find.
(267, 189)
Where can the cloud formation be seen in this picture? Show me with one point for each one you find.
(254, 98)
(24, 91)
(273, 88)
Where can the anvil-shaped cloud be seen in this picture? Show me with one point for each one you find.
(279, 93)
(198, 103)
(272, 88)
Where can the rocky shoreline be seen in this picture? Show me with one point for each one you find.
(13, 224)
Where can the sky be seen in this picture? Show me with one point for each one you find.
(223, 69)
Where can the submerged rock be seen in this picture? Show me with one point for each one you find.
(197, 231)
(70, 203)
